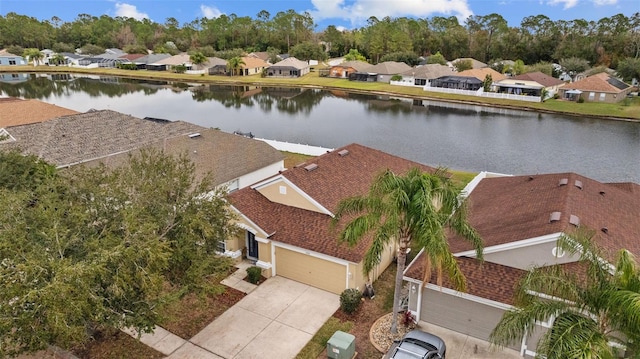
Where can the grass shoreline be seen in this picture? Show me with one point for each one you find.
(618, 112)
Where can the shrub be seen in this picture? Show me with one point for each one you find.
(396, 78)
(253, 274)
(179, 69)
(580, 99)
(350, 300)
(408, 319)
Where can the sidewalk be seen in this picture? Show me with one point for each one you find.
(168, 343)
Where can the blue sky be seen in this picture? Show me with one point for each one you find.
(344, 13)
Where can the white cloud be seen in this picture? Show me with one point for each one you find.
(605, 2)
(128, 10)
(210, 12)
(568, 4)
(358, 11)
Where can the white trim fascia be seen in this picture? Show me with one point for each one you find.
(406, 268)
(295, 188)
(513, 245)
(312, 253)
(268, 181)
(466, 191)
(252, 223)
(261, 240)
(471, 297)
(263, 265)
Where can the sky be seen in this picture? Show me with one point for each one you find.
(345, 14)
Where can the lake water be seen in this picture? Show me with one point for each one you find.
(464, 137)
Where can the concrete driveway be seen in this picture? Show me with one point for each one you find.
(461, 346)
(276, 320)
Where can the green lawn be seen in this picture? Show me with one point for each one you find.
(627, 109)
(318, 343)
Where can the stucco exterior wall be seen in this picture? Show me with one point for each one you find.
(281, 192)
(527, 257)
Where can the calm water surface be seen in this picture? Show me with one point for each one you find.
(464, 137)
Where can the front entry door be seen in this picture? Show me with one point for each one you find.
(252, 246)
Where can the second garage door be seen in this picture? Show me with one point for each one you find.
(314, 271)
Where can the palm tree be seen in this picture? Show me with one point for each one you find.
(590, 310)
(234, 64)
(197, 58)
(57, 59)
(34, 55)
(413, 210)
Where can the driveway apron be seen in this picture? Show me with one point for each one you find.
(276, 320)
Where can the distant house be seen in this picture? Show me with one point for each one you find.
(149, 62)
(531, 84)
(289, 67)
(47, 54)
(13, 78)
(600, 87)
(475, 64)
(72, 59)
(106, 59)
(468, 83)
(253, 66)
(217, 66)
(346, 68)
(10, 59)
(262, 55)
(421, 75)
(169, 63)
(382, 71)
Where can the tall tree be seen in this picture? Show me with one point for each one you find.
(90, 248)
(410, 210)
(197, 58)
(589, 311)
(234, 64)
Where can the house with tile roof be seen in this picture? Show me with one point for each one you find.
(252, 66)
(530, 84)
(475, 64)
(289, 67)
(601, 87)
(108, 137)
(520, 219)
(482, 73)
(286, 218)
(16, 111)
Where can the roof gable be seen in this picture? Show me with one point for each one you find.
(429, 71)
(17, 111)
(482, 73)
(253, 62)
(291, 62)
(355, 64)
(389, 68)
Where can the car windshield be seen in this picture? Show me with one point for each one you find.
(412, 348)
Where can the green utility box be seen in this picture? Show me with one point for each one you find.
(341, 346)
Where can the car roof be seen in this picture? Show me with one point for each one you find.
(432, 339)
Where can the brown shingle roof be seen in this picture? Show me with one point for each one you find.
(429, 71)
(486, 280)
(388, 68)
(82, 137)
(291, 62)
(599, 82)
(509, 209)
(15, 111)
(337, 177)
(355, 64)
(539, 77)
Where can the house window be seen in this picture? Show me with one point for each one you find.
(221, 246)
(420, 82)
(602, 96)
(592, 96)
(12, 62)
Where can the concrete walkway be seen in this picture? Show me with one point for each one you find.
(168, 343)
(275, 320)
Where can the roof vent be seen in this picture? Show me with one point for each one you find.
(578, 184)
(311, 167)
(605, 230)
(563, 181)
(194, 135)
(343, 153)
(555, 217)
(602, 193)
(530, 178)
(573, 219)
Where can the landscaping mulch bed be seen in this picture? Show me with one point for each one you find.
(193, 313)
(260, 281)
(114, 344)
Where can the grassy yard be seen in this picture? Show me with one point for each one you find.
(627, 109)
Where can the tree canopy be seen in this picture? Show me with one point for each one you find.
(92, 247)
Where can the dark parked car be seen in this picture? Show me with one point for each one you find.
(417, 345)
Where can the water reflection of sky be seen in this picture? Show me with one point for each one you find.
(457, 136)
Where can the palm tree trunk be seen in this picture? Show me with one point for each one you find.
(401, 260)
